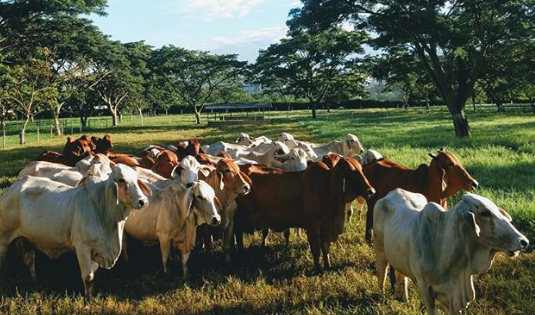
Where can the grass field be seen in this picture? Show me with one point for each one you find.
(279, 280)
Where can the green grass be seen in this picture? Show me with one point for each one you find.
(279, 280)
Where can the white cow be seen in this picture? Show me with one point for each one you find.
(172, 217)
(349, 147)
(71, 175)
(295, 160)
(246, 140)
(56, 218)
(290, 141)
(260, 156)
(441, 250)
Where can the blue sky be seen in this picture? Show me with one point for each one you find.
(220, 26)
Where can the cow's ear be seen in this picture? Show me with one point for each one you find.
(221, 183)
(113, 193)
(505, 214)
(174, 173)
(144, 188)
(205, 171)
(218, 205)
(444, 180)
(470, 217)
(246, 178)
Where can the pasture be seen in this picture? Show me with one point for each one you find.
(280, 280)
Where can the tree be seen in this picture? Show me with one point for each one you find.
(308, 65)
(28, 91)
(450, 38)
(194, 76)
(121, 79)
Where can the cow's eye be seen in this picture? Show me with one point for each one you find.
(486, 214)
(122, 180)
(226, 171)
(200, 197)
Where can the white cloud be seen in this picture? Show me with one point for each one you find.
(211, 9)
(246, 42)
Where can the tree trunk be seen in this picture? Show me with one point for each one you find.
(22, 135)
(197, 115)
(501, 108)
(460, 123)
(114, 120)
(4, 117)
(313, 110)
(140, 114)
(83, 122)
(474, 101)
(57, 124)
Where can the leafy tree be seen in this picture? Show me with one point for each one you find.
(139, 54)
(308, 65)
(28, 91)
(121, 79)
(452, 39)
(195, 76)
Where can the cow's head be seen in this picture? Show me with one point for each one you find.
(165, 163)
(453, 176)
(351, 145)
(203, 204)
(354, 183)
(371, 156)
(331, 159)
(244, 139)
(187, 171)
(129, 190)
(492, 225)
(295, 160)
(232, 178)
(102, 145)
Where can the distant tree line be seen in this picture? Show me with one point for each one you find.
(54, 60)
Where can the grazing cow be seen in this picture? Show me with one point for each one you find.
(171, 219)
(57, 218)
(313, 199)
(349, 147)
(228, 182)
(440, 250)
(442, 178)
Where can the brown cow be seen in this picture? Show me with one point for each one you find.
(442, 178)
(102, 145)
(313, 199)
(73, 151)
(228, 182)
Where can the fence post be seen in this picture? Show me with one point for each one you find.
(50, 131)
(72, 127)
(4, 137)
(38, 136)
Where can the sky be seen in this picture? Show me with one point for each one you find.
(220, 26)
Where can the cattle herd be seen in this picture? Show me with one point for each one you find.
(88, 198)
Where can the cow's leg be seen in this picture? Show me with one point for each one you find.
(124, 248)
(88, 269)
(4, 245)
(265, 233)
(349, 211)
(402, 283)
(428, 297)
(326, 248)
(228, 240)
(381, 263)
(165, 248)
(369, 224)
(28, 256)
(314, 241)
(184, 257)
(360, 206)
(287, 237)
